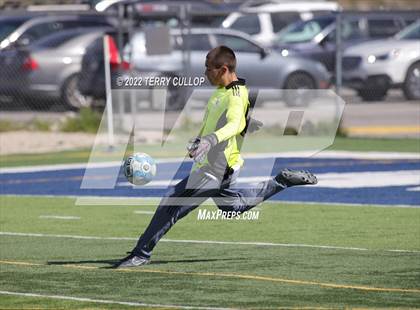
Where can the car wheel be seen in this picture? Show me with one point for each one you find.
(72, 96)
(411, 85)
(301, 82)
(373, 94)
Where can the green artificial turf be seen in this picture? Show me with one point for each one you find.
(294, 271)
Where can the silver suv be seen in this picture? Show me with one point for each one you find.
(22, 30)
(372, 68)
(262, 68)
(263, 22)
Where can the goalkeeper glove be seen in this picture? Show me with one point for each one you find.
(199, 147)
(252, 125)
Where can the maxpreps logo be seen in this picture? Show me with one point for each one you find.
(207, 215)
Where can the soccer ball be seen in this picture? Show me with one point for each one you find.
(139, 168)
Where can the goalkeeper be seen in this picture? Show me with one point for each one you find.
(216, 153)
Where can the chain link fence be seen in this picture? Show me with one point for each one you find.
(58, 64)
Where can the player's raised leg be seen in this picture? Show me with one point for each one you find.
(240, 200)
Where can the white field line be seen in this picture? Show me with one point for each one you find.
(5, 233)
(328, 180)
(118, 201)
(325, 154)
(143, 212)
(56, 167)
(59, 217)
(109, 302)
(414, 189)
(339, 155)
(369, 179)
(341, 204)
(146, 201)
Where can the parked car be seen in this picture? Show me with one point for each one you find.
(27, 29)
(107, 5)
(8, 24)
(48, 69)
(316, 38)
(92, 75)
(263, 21)
(261, 68)
(372, 68)
(204, 13)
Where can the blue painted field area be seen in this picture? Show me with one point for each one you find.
(341, 180)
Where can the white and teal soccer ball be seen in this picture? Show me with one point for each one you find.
(139, 168)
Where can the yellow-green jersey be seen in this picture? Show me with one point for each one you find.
(225, 117)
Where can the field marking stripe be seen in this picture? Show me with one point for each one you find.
(6, 233)
(143, 212)
(336, 180)
(59, 217)
(383, 129)
(335, 204)
(230, 275)
(130, 201)
(105, 301)
(303, 154)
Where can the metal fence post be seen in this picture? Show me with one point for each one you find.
(338, 63)
(110, 123)
(338, 56)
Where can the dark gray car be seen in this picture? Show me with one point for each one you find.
(25, 29)
(48, 69)
(262, 68)
(316, 38)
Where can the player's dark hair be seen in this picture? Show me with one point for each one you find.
(222, 55)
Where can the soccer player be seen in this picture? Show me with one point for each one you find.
(216, 153)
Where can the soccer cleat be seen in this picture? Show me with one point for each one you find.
(132, 260)
(294, 177)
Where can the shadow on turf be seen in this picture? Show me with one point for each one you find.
(112, 262)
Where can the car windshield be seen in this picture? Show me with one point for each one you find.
(57, 39)
(412, 32)
(8, 26)
(303, 31)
